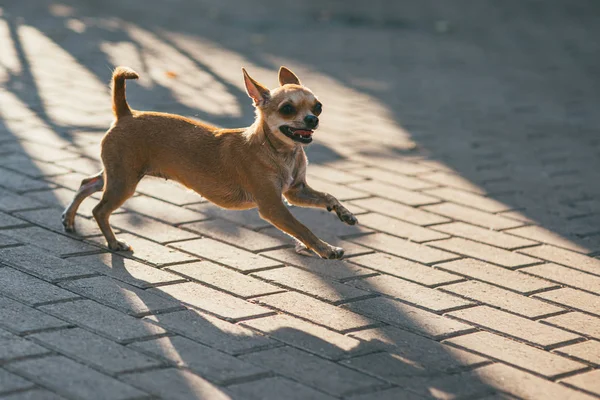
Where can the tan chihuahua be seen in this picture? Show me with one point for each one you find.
(233, 168)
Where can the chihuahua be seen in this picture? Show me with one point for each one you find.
(233, 168)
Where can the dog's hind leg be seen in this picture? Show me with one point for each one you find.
(89, 186)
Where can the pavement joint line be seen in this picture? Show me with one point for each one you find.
(563, 283)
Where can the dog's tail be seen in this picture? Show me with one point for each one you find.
(120, 106)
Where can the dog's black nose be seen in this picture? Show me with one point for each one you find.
(311, 121)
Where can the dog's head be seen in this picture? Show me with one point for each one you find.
(290, 111)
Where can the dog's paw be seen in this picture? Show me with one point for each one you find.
(346, 216)
(68, 225)
(120, 245)
(333, 253)
(302, 249)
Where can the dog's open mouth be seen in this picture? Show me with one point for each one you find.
(297, 134)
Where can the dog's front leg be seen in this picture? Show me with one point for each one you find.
(304, 196)
(276, 213)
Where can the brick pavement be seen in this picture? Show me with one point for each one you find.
(464, 135)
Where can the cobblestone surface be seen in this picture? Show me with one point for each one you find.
(463, 135)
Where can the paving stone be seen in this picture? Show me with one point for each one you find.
(224, 279)
(275, 388)
(404, 248)
(416, 355)
(127, 270)
(517, 354)
(53, 242)
(503, 299)
(175, 384)
(577, 322)
(20, 183)
(469, 199)
(10, 202)
(13, 347)
(7, 241)
(588, 351)
(497, 276)
(211, 331)
(408, 317)
(487, 236)
(222, 253)
(32, 168)
(412, 293)
(540, 234)
(104, 321)
(453, 180)
(396, 227)
(61, 197)
(233, 234)
(162, 211)
(403, 212)
(524, 385)
(42, 264)
(308, 337)
(311, 370)
(50, 218)
(148, 251)
(22, 319)
(513, 326)
(472, 216)
(8, 221)
(247, 218)
(332, 174)
(10, 382)
(393, 178)
(340, 192)
(566, 276)
(211, 364)
(313, 285)
(405, 269)
(394, 193)
(121, 296)
(149, 228)
(34, 394)
(96, 351)
(212, 301)
(572, 298)
(588, 381)
(484, 252)
(73, 379)
(315, 311)
(30, 290)
(336, 269)
(388, 394)
(565, 257)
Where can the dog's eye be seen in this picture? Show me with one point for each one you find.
(287, 109)
(318, 109)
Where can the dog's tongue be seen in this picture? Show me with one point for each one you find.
(303, 132)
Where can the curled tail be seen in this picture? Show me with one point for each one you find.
(120, 106)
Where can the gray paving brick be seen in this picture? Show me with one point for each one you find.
(313, 285)
(577, 322)
(588, 381)
(395, 193)
(394, 393)
(483, 235)
(14, 347)
(315, 311)
(22, 319)
(588, 351)
(517, 327)
(472, 216)
(150, 228)
(565, 257)
(341, 192)
(566, 276)
(211, 331)
(175, 384)
(7, 241)
(308, 337)
(50, 218)
(572, 298)
(148, 251)
(247, 218)
(469, 199)
(34, 394)
(217, 367)
(405, 269)
(10, 382)
(498, 276)
(94, 350)
(61, 197)
(396, 179)
(503, 299)
(517, 354)
(42, 264)
(408, 317)
(8, 221)
(403, 212)
(127, 270)
(275, 388)
(224, 279)
(121, 296)
(162, 211)
(236, 235)
(311, 370)
(222, 253)
(53, 242)
(20, 183)
(335, 269)
(10, 201)
(73, 379)
(396, 227)
(30, 290)
(543, 235)
(103, 320)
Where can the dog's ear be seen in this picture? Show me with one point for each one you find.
(257, 92)
(287, 76)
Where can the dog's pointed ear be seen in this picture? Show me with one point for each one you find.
(287, 76)
(257, 92)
